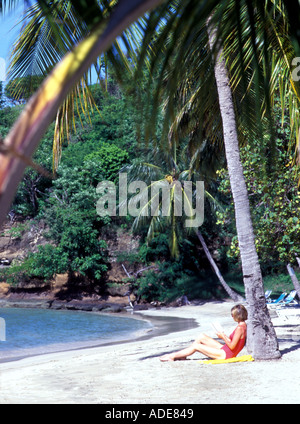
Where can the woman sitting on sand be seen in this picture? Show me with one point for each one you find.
(212, 348)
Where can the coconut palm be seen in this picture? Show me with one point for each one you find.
(157, 176)
(163, 170)
(168, 32)
(260, 324)
(185, 77)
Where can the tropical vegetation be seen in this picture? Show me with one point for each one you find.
(216, 68)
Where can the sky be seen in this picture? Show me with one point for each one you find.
(9, 31)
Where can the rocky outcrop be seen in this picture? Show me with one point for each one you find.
(19, 238)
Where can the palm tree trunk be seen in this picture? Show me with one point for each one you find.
(294, 279)
(261, 339)
(231, 293)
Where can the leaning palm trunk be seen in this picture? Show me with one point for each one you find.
(294, 279)
(261, 341)
(231, 293)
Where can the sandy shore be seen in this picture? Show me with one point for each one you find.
(132, 373)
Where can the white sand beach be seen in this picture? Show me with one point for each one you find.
(132, 373)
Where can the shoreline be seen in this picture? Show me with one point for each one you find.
(160, 326)
(132, 373)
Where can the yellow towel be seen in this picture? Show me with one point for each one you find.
(244, 358)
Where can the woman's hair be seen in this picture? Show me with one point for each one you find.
(239, 312)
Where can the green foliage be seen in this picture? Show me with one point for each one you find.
(33, 186)
(70, 213)
(47, 262)
(175, 278)
(274, 199)
(23, 88)
(157, 249)
(17, 231)
(8, 116)
(166, 285)
(1, 95)
(111, 158)
(113, 124)
(96, 152)
(109, 139)
(279, 283)
(67, 204)
(171, 282)
(16, 272)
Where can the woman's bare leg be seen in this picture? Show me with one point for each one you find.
(211, 352)
(203, 344)
(181, 354)
(208, 341)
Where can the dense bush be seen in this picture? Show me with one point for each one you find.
(275, 207)
(103, 143)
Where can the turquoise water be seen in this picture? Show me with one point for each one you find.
(38, 331)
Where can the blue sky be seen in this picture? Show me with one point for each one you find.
(9, 30)
(8, 33)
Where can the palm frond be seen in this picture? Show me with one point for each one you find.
(50, 30)
(42, 44)
(42, 107)
(255, 37)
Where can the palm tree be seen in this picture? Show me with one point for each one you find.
(187, 65)
(260, 325)
(175, 27)
(162, 169)
(262, 338)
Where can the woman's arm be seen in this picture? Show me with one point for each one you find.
(236, 338)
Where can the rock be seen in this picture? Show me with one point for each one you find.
(140, 308)
(4, 289)
(74, 306)
(114, 309)
(30, 303)
(57, 305)
(34, 285)
(182, 301)
(118, 289)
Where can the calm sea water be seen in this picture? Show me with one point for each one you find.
(38, 331)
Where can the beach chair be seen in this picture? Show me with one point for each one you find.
(278, 300)
(268, 294)
(289, 299)
(273, 303)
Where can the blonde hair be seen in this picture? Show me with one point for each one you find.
(239, 312)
